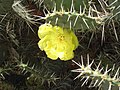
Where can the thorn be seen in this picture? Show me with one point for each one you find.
(85, 80)
(23, 70)
(101, 69)
(62, 6)
(102, 6)
(100, 82)
(88, 59)
(79, 76)
(98, 66)
(77, 70)
(89, 12)
(82, 60)
(118, 7)
(95, 83)
(80, 10)
(46, 10)
(91, 63)
(106, 68)
(116, 74)
(99, 88)
(85, 23)
(106, 72)
(105, 2)
(90, 40)
(83, 11)
(82, 78)
(91, 84)
(49, 22)
(84, 7)
(115, 30)
(3, 17)
(54, 10)
(110, 86)
(68, 18)
(113, 67)
(76, 63)
(2, 76)
(113, 2)
(56, 20)
(70, 25)
(115, 15)
(96, 10)
(16, 3)
(103, 32)
(33, 66)
(27, 63)
(93, 25)
(72, 7)
(76, 20)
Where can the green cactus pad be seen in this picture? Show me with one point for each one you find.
(73, 20)
(65, 4)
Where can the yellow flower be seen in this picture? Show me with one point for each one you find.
(57, 42)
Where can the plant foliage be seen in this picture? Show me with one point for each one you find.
(96, 24)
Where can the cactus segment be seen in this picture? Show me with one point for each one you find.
(98, 75)
(73, 20)
(73, 14)
(67, 5)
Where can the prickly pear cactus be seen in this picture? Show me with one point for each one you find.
(73, 20)
(73, 14)
(66, 4)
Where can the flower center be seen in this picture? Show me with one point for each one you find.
(61, 38)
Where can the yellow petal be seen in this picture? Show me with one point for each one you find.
(44, 30)
(52, 54)
(74, 40)
(67, 56)
(43, 42)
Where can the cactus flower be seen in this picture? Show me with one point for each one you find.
(57, 42)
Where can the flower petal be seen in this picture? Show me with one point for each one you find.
(44, 29)
(74, 40)
(51, 53)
